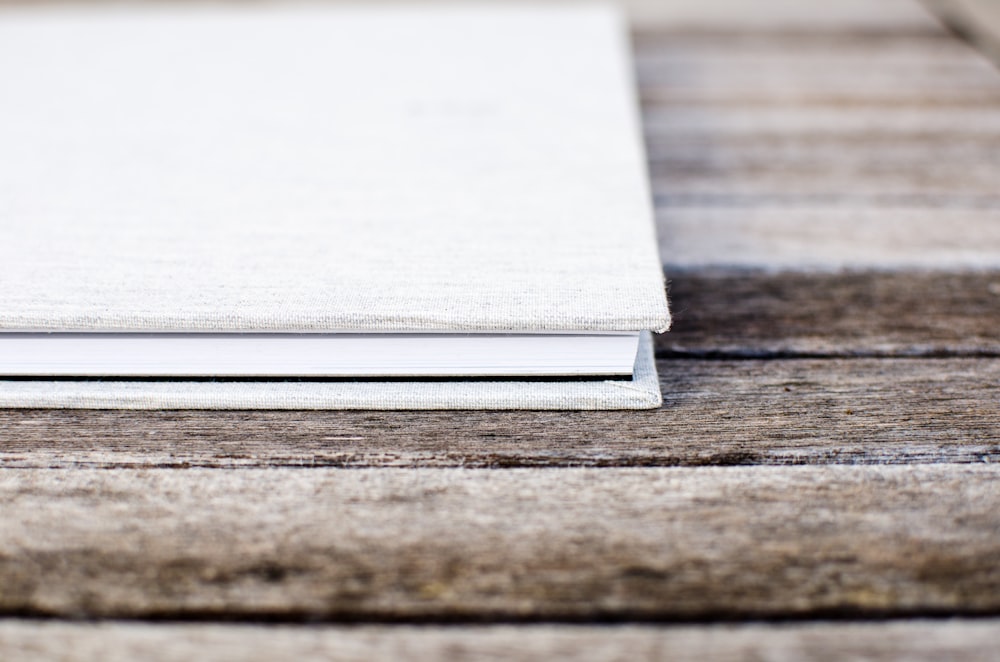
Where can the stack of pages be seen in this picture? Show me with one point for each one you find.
(314, 208)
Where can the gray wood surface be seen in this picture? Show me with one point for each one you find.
(918, 641)
(853, 16)
(728, 313)
(804, 151)
(474, 545)
(715, 412)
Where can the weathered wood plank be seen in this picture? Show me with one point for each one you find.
(855, 125)
(767, 15)
(807, 173)
(761, 314)
(839, 69)
(461, 544)
(774, 239)
(917, 640)
(804, 152)
(846, 15)
(860, 411)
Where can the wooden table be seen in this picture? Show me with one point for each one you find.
(821, 480)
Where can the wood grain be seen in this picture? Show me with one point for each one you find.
(774, 238)
(806, 69)
(472, 545)
(732, 313)
(853, 16)
(843, 16)
(802, 115)
(844, 411)
(920, 641)
(803, 152)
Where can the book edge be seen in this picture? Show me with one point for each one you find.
(642, 392)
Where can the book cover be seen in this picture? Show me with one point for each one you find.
(308, 169)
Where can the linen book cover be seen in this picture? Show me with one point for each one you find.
(308, 170)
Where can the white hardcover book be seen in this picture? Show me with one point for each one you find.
(309, 207)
